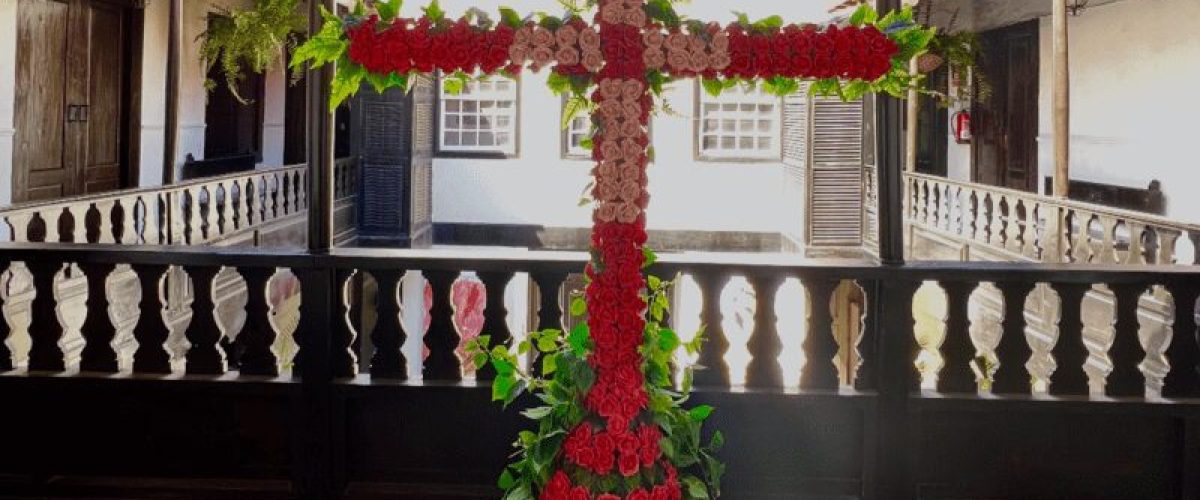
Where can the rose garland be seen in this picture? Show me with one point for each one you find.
(613, 426)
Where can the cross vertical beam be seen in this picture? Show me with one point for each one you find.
(320, 143)
(1062, 101)
(889, 120)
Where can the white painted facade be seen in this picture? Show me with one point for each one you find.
(539, 187)
(1133, 100)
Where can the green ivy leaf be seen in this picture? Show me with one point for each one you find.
(712, 86)
(389, 10)
(510, 18)
(717, 442)
(434, 12)
(649, 257)
(549, 364)
(578, 306)
(668, 341)
(346, 82)
(578, 339)
(538, 413)
(506, 480)
(502, 386)
(695, 488)
(663, 12)
(700, 413)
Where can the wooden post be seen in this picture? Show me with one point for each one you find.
(171, 97)
(320, 144)
(914, 110)
(1062, 101)
(1062, 132)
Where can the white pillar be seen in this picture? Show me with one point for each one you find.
(1062, 100)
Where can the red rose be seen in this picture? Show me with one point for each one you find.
(638, 494)
(608, 496)
(629, 464)
(580, 493)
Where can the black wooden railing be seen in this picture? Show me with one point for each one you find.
(884, 383)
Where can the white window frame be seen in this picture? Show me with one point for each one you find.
(581, 128)
(737, 115)
(478, 96)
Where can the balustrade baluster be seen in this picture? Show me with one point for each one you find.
(958, 350)
(1126, 352)
(1012, 226)
(1069, 351)
(495, 315)
(865, 378)
(151, 331)
(273, 192)
(257, 335)
(108, 233)
(1031, 243)
(1081, 246)
(205, 356)
(764, 344)
(550, 311)
(974, 209)
(45, 330)
(1108, 242)
(6, 355)
(222, 202)
(1194, 235)
(1012, 377)
(923, 203)
(997, 216)
(78, 212)
(713, 372)
(1165, 246)
(97, 330)
(442, 337)
(387, 361)
(1183, 354)
(250, 201)
(131, 232)
(820, 346)
(345, 360)
(1137, 249)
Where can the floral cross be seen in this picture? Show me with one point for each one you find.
(609, 444)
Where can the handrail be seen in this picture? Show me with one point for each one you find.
(1028, 224)
(1148, 218)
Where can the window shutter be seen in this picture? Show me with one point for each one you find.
(795, 162)
(835, 173)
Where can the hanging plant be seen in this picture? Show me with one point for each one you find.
(254, 40)
(963, 51)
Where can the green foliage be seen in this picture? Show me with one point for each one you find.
(564, 380)
(254, 40)
(388, 10)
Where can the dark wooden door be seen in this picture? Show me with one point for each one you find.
(933, 129)
(71, 98)
(42, 164)
(1006, 126)
(105, 87)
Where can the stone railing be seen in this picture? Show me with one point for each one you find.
(1023, 225)
(199, 212)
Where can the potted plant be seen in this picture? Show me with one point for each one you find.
(962, 50)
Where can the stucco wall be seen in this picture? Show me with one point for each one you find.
(8, 77)
(540, 188)
(1133, 100)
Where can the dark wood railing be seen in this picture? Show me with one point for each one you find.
(889, 414)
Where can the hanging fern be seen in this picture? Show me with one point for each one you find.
(251, 40)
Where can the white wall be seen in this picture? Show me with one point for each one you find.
(540, 188)
(8, 78)
(1133, 100)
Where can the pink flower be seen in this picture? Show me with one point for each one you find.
(699, 62)
(720, 41)
(635, 17)
(630, 191)
(518, 53)
(632, 90)
(566, 35)
(542, 55)
(593, 60)
(654, 58)
(628, 213)
(607, 212)
(589, 39)
(677, 41)
(679, 60)
(631, 129)
(542, 37)
(654, 39)
(611, 89)
(567, 56)
(523, 36)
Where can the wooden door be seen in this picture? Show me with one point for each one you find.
(933, 129)
(1006, 126)
(104, 116)
(71, 98)
(42, 165)
(233, 125)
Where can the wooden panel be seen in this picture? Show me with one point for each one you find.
(40, 167)
(104, 119)
(1005, 127)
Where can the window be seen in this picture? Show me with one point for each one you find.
(482, 119)
(579, 129)
(739, 125)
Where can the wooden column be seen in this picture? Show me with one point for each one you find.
(320, 143)
(171, 120)
(1062, 100)
(910, 132)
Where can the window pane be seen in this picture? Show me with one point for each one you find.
(764, 143)
(711, 125)
(453, 121)
(470, 122)
(452, 139)
(746, 143)
(453, 105)
(710, 143)
(487, 139)
(728, 142)
(764, 125)
(746, 126)
(728, 126)
(503, 139)
(470, 139)
(470, 106)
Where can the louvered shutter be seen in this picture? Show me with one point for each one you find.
(835, 183)
(424, 114)
(795, 163)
